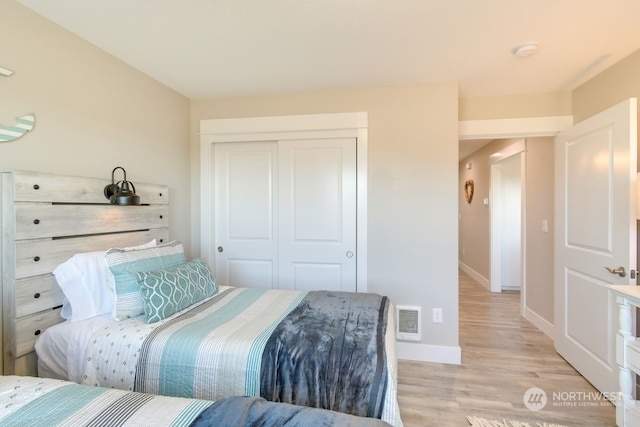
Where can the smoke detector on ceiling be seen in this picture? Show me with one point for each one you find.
(525, 50)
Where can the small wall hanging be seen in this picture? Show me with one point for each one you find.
(23, 123)
(468, 190)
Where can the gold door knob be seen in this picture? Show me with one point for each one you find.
(620, 271)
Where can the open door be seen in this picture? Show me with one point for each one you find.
(595, 241)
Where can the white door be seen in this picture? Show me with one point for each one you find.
(246, 208)
(318, 214)
(508, 184)
(595, 216)
(286, 214)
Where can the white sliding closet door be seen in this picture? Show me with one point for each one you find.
(318, 214)
(286, 214)
(246, 208)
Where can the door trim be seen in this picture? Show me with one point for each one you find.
(311, 126)
(513, 128)
(518, 148)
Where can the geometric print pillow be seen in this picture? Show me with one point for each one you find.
(165, 292)
(124, 264)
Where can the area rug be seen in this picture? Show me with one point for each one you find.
(483, 422)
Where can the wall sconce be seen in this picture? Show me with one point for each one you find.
(119, 193)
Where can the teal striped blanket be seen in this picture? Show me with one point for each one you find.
(30, 401)
(36, 402)
(250, 342)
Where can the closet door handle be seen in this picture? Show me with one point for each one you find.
(220, 249)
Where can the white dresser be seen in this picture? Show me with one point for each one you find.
(627, 355)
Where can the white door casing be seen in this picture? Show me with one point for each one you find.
(516, 128)
(283, 128)
(595, 217)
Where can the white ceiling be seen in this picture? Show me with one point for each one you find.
(222, 48)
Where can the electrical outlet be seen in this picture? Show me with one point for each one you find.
(437, 315)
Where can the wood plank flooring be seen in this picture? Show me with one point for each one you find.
(503, 355)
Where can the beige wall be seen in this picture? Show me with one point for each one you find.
(475, 220)
(539, 244)
(621, 81)
(412, 209)
(93, 112)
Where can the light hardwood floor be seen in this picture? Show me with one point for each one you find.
(503, 355)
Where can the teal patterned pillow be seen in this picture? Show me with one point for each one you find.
(165, 292)
(124, 264)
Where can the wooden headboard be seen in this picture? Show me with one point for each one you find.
(44, 220)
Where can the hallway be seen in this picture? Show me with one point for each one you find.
(503, 355)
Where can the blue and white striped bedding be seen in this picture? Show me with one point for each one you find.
(228, 335)
(36, 402)
(30, 401)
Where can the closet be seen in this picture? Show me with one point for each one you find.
(280, 208)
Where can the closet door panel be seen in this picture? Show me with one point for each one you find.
(246, 205)
(317, 239)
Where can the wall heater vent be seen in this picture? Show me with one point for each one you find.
(408, 323)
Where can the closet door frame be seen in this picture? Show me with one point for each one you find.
(311, 126)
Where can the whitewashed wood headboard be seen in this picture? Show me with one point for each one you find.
(44, 220)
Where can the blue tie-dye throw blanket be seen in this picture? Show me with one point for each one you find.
(329, 352)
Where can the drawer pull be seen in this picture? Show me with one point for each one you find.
(160, 216)
(36, 295)
(36, 187)
(37, 332)
(36, 258)
(36, 221)
(160, 194)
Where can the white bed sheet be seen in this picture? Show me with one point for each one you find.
(62, 348)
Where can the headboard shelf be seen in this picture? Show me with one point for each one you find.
(44, 220)
(43, 187)
(52, 252)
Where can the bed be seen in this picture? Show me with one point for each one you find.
(26, 401)
(252, 348)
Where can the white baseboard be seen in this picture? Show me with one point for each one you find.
(471, 272)
(539, 322)
(429, 353)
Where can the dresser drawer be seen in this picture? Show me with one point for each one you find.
(28, 329)
(633, 355)
(36, 294)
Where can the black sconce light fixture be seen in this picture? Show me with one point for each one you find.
(120, 193)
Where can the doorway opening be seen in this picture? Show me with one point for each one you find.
(508, 186)
(537, 302)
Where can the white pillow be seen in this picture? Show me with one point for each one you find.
(85, 280)
(85, 283)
